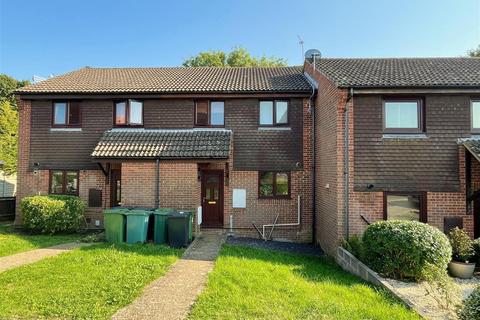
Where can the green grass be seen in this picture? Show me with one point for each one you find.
(88, 283)
(12, 241)
(260, 284)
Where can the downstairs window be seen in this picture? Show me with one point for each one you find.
(64, 182)
(273, 184)
(405, 206)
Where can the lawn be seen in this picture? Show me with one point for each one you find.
(261, 284)
(12, 241)
(87, 283)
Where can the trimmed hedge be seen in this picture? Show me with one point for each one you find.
(404, 249)
(53, 213)
(471, 306)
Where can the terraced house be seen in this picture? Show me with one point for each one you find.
(319, 150)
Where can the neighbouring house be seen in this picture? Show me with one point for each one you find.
(235, 141)
(402, 135)
(320, 150)
(8, 185)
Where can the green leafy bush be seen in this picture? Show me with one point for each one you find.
(354, 245)
(476, 247)
(52, 214)
(471, 306)
(403, 249)
(462, 245)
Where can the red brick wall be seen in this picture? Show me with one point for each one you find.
(328, 124)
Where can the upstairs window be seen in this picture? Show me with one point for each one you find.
(405, 206)
(64, 182)
(475, 115)
(209, 113)
(128, 113)
(273, 184)
(273, 113)
(66, 114)
(403, 116)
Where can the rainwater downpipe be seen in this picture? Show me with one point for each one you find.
(311, 102)
(157, 184)
(346, 171)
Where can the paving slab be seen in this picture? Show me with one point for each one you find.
(172, 295)
(28, 257)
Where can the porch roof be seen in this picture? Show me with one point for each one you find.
(472, 145)
(163, 144)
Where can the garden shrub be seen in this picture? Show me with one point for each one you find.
(403, 249)
(354, 245)
(471, 306)
(53, 213)
(476, 247)
(462, 246)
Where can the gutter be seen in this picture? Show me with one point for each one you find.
(346, 170)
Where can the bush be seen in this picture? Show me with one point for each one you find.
(403, 249)
(52, 214)
(471, 306)
(462, 246)
(476, 247)
(354, 245)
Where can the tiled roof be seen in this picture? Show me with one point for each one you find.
(163, 144)
(402, 72)
(175, 80)
(472, 145)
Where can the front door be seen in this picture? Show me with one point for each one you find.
(115, 188)
(212, 198)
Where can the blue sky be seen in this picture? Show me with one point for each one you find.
(55, 36)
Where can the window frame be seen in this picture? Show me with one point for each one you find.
(274, 113)
(64, 182)
(127, 113)
(422, 197)
(209, 114)
(274, 185)
(420, 116)
(67, 115)
(472, 128)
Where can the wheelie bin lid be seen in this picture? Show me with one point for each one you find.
(163, 211)
(115, 210)
(177, 215)
(137, 212)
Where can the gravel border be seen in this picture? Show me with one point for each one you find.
(301, 248)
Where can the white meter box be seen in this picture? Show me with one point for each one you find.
(239, 198)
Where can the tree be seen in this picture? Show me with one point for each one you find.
(9, 122)
(8, 136)
(7, 86)
(238, 57)
(474, 52)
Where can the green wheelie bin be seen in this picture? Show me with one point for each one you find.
(114, 223)
(191, 216)
(177, 229)
(160, 228)
(137, 225)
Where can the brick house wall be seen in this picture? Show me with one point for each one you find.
(330, 117)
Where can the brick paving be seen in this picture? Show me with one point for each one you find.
(172, 295)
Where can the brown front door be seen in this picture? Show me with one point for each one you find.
(116, 188)
(212, 198)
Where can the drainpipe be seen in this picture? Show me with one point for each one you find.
(314, 169)
(157, 184)
(346, 171)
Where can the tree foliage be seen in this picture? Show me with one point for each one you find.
(9, 122)
(475, 52)
(238, 57)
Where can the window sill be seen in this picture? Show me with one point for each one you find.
(274, 128)
(402, 136)
(275, 198)
(65, 129)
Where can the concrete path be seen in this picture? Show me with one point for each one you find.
(171, 296)
(27, 257)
